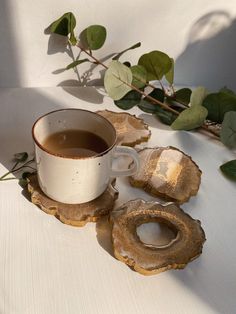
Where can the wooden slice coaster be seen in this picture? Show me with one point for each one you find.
(168, 173)
(130, 129)
(76, 214)
(150, 259)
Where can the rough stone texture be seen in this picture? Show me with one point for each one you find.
(149, 259)
(130, 129)
(168, 173)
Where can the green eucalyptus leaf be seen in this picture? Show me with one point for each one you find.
(218, 104)
(73, 39)
(171, 102)
(229, 169)
(197, 96)
(116, 78)
(130, 100)
(190, 118)
(228, 129)
(183, 95)
(75, 63)
(116, 57)
(96, 36)
(65, 25)
(165, 116)
(227, 91)
(156, 63)
(139, 76)
(83, 39)
(146, 106)
(21, 157)
(23, 182)
(156, 93)
(170, 75)
(26, 174)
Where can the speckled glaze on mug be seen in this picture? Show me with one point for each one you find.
(75, 180)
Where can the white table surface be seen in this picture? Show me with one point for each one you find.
(47, 267)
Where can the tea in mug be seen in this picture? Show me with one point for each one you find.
(75, 144)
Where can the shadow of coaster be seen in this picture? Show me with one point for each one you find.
(130, 129)
(73, 214)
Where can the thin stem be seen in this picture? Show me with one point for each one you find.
(30, 168)
(7, 179)
(74, 59)
(5, 175)
(179, 101)
(15, 165)
(151, 98)
(94, 58)
(23, 166)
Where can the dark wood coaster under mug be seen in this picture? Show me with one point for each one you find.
(73, 214)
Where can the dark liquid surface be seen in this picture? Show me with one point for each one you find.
(75, 143)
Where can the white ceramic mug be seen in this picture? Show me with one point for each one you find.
(75, 180)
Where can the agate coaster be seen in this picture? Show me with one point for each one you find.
(130, 129)
(149, 259)
(168, 173)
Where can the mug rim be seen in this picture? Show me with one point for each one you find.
(75, 157)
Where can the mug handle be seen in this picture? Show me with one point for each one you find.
(125, 150)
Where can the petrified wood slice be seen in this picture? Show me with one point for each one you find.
(130, 129)
(76, 214)
(150, 259)
(168, 173)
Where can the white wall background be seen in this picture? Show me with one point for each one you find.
(200, 35)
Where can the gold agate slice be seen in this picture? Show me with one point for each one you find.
(168, 173)
(130, 129)
(150, 259)
(73, 214)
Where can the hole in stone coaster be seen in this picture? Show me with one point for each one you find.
(156, 234)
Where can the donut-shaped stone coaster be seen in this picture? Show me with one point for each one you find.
(76, 214)
(130, 129)
(150, 259)
(168, 173)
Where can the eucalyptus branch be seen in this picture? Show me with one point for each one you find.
(90, 55)
(138, 90)
(219, 107)
(205, 127)
(154, 100)
(132, 86)
(26, 164)
(15, 169)
(148, 97)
